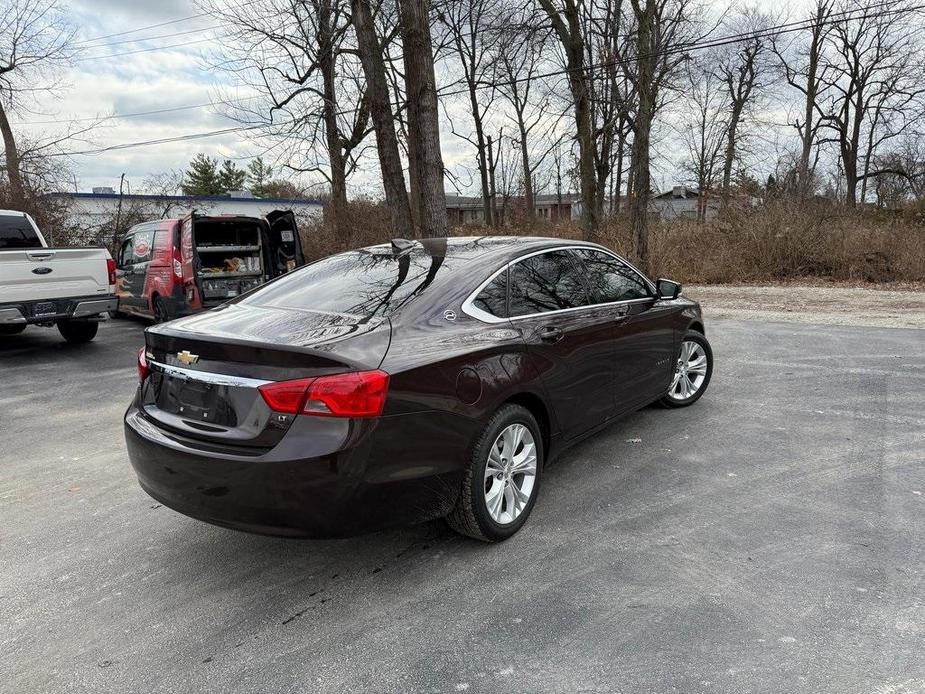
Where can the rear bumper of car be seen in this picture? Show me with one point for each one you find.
(315, 483)
(51, 310)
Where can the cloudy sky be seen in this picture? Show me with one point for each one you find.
(177, 74)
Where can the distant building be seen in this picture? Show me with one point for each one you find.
(553, 208)
(681, 202)
(90, 211)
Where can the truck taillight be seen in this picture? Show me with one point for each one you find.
(177, 265)
(355, 394)
(111, 271)
(143, 369)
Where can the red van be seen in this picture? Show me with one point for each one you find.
(173, 267)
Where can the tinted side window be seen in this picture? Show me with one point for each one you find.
(493, 298)
(126, 256)
(16, 232)
(546, 282)
(610, 279)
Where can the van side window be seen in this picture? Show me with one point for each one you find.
(126, 254)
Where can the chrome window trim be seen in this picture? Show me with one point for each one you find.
(207, 376)
(469, 308)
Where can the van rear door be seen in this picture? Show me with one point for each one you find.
(284, 249)
(191, 289)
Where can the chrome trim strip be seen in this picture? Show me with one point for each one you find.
(207, 376)
(11, 315)
(474, 312)
(89, 308)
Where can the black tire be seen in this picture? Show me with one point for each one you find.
(78, 331)
(471, 516)
(692, 336)
(14, 329)
(159, 306)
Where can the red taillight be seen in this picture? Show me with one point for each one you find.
(285, 396)
(177, 265)
(143, 369)
(355, 394)
(111, 270)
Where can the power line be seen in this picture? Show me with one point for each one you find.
(159, 141)
(142, 50)
(94, 39)
(153, 38)
(144, 28)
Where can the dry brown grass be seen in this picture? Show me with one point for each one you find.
(781, 241)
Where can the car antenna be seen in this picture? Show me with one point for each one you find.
(401, 245)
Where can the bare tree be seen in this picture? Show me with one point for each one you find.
(312, 104)
(744, 73)
(566, 19)
(875, 84)
(661, 25)
(704, 130)
(471, 28)
(802, 71)
(517, 60)
(35, 44)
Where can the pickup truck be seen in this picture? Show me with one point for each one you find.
(73, 288)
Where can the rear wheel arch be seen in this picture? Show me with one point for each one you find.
(535, 406)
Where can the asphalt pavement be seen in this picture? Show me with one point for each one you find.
(770, 538)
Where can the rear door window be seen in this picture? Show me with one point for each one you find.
(546, 282)
(611, 279)
(17, 232)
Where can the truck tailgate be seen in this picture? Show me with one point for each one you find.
(52, 273)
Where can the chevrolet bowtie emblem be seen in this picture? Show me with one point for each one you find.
(185, 357)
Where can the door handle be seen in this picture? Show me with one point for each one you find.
(621, 311)
(550, 334)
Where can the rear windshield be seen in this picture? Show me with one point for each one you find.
(359, 284)
(16, 232)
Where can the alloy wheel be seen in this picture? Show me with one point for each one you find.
(690, 371)
(510, 473)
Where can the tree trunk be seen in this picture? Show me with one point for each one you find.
(338, 166)
(17, 190)
(380, 108)
(421, 90)
(809, 107)
(492, 190)
(528, 175)
(639, 208)
(483, 163)
(730, 154)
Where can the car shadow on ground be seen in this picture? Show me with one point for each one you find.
(198, 552)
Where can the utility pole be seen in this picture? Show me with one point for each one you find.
(115, 231)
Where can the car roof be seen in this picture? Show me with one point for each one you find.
(490, 249)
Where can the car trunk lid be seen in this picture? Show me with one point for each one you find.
(206, 369)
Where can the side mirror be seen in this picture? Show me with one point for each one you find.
(668, 289)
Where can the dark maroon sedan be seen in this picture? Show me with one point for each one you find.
(405, 382)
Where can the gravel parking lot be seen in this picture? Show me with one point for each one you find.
(768, 539)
